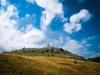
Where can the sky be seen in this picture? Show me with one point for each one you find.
(73, 25)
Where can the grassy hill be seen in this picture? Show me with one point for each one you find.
(47, 51)
(15, 64)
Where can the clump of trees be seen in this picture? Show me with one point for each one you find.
(23, 49)
(95, 59)
(61, 49)
(5, 52)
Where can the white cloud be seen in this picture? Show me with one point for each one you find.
(83, 15)
(5, 16)
(27, 15)
(91, 38)
(52, 8)
(75, 20)
(57, 42)
(70, 28)
(30, 1)
(10, 37)
(32, 35)
(77, 47)
(49, 11)
(4, 2)
(72, 45)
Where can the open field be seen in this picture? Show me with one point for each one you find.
(13, 64)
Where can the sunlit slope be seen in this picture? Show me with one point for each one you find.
(11, 64)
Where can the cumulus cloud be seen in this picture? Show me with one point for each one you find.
(52, 8)
(70, 28)
(49, 13)
(27, 15)
(10, 37)
(57, 42)
(75, 20)
(72, 45)
(4, 2)
(78, 47)
(14, 38)
(83, 15)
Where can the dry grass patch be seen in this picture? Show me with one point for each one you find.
(12, 64)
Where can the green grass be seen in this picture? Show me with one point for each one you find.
(49, 52)
(13, 64)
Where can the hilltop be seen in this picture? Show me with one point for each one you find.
(48, 51)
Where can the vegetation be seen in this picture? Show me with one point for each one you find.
(95, 59)
(14, 64)
(47, 51)
(46, 61)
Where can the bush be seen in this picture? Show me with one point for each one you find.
(75, 61)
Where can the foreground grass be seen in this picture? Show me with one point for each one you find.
(12, 64)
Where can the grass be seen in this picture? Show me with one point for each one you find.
(47, 51)
(13, 64)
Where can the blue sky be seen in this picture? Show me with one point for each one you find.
(71, 24)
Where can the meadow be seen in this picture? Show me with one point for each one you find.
(15, 64)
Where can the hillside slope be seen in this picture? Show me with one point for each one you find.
(47, 51)
(13, 64)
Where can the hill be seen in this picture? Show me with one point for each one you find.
(15, 64)
(47, 51)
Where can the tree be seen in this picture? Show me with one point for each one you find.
(48, 45)
(23, 49)
(61, 49)
(95, 59)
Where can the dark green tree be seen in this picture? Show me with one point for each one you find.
(95, 59)
(61, 49)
